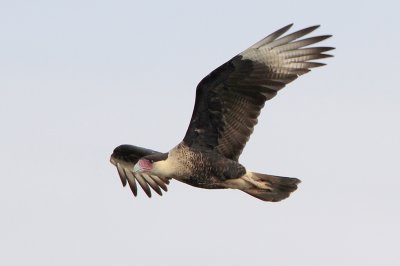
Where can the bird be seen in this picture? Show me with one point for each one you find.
(227, 105)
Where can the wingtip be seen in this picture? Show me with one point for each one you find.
(315, 64)
(121, 174)
(312, 28)
(324, 56)
(132, 182)
(327, 48)
(123, 181)
(327, 36)
(148, 192)
(152, 183)
(289, 25)
(308, 29)
(286, 28)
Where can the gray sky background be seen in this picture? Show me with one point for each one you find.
(78, 78)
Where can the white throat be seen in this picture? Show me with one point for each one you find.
(166, 168)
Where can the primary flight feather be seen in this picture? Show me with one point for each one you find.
(228, 103)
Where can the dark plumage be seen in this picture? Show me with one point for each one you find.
(228, 103)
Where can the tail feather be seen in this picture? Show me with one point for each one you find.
(270, 187)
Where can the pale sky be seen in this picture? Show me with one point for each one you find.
(78, 78)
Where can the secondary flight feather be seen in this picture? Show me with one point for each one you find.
(228, 103)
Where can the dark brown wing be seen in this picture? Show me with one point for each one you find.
(229, 99)
(125, 157)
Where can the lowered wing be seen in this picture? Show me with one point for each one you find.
(124, 158)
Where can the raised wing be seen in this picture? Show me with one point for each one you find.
(124, 158)
(229, 99)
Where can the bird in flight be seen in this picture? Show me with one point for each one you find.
(228, 103)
